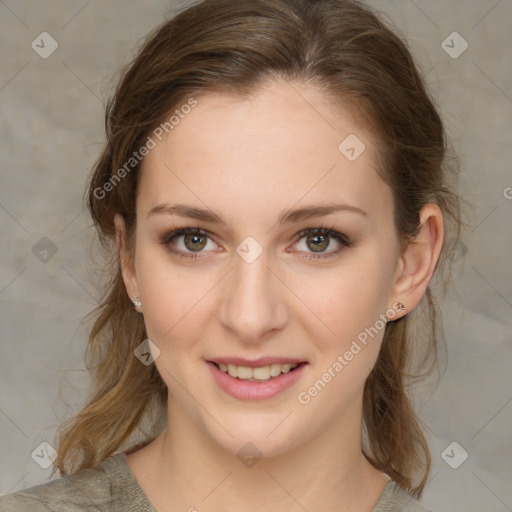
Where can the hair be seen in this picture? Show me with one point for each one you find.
(344, 49)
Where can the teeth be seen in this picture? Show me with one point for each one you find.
(275, 369)
(243, 372)
(262, 373)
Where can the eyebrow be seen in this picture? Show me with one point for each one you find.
(286, 217)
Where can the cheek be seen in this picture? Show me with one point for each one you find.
(347, 326)
(174, 298)
(345, 301)
(346, 329)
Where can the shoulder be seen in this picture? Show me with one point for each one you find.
(395, 499)
(92, 489)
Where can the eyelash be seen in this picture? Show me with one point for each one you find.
(340, 237)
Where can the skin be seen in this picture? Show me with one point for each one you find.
(248, 160)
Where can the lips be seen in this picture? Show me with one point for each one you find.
(251, 390)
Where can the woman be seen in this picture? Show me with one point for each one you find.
(273, 193)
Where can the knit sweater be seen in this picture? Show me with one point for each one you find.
(112, 487)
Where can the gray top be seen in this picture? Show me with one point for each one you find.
(112, 487)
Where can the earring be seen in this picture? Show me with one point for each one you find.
(136, 302)
(398, 307)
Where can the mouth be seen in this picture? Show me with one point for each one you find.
(261, 373)
(256, 382)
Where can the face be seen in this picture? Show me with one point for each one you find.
(264, 275)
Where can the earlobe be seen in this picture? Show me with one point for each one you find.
(125, 262)
(419, 259)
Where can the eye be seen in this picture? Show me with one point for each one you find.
(193, 240)
(320, 239)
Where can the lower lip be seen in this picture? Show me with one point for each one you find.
(255, 390)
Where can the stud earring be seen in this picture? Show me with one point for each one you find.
(136, 301)
(400, 306)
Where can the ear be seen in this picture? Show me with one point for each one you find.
(126, 262)
(418, 260)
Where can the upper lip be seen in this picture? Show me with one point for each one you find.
(256, 363)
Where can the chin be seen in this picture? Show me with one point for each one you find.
(255, 440)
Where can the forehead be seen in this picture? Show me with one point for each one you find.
(285, 144)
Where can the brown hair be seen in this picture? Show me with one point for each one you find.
(341, 47)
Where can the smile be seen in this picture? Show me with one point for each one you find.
(256, 383)
(262, 373)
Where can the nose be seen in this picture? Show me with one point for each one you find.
(253, 303)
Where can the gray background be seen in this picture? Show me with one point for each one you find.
(51, 133)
